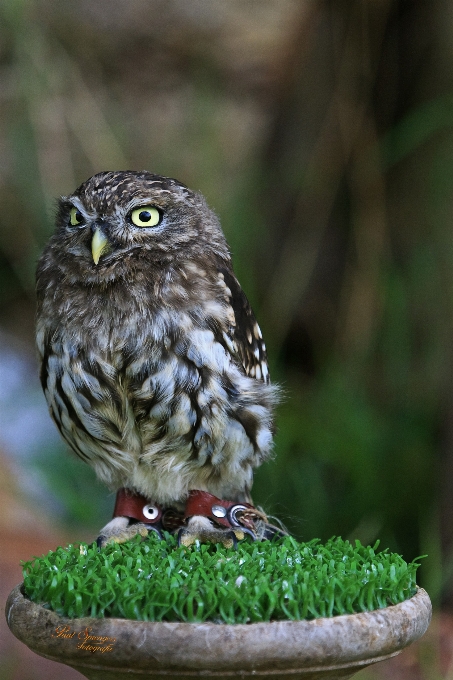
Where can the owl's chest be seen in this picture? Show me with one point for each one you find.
(143, 355)
(109, 324)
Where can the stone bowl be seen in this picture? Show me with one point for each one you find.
(326, 648)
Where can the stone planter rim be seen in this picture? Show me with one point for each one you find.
(209, 649)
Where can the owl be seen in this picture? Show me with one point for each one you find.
(152, 362)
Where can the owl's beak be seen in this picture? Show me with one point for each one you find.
(99, 245)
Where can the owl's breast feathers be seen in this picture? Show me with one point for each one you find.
(162, 386)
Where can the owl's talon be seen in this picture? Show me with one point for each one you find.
(121, 530)
(203, 530)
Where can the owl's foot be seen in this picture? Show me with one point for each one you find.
(135, 515)
(201, 529)
(209, 519)
(120, 530)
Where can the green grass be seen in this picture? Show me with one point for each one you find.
(157, 581)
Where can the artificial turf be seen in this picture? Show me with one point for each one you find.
(154, 580)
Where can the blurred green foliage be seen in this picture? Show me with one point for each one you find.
(329, 160)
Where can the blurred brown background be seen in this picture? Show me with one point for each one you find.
(321, 132)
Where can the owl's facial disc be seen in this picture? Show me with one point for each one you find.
(99, 245)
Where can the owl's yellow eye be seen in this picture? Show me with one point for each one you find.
(75, 217)
(146, 216)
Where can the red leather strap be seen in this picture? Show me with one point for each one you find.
(202, 503)
(135, 506)
(131, 504)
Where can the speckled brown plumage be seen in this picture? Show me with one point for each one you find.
(152, 362)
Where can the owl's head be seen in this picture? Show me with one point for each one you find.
(121, 221)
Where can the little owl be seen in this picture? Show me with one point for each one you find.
(152, 362)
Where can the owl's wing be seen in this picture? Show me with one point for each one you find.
(243, 338)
